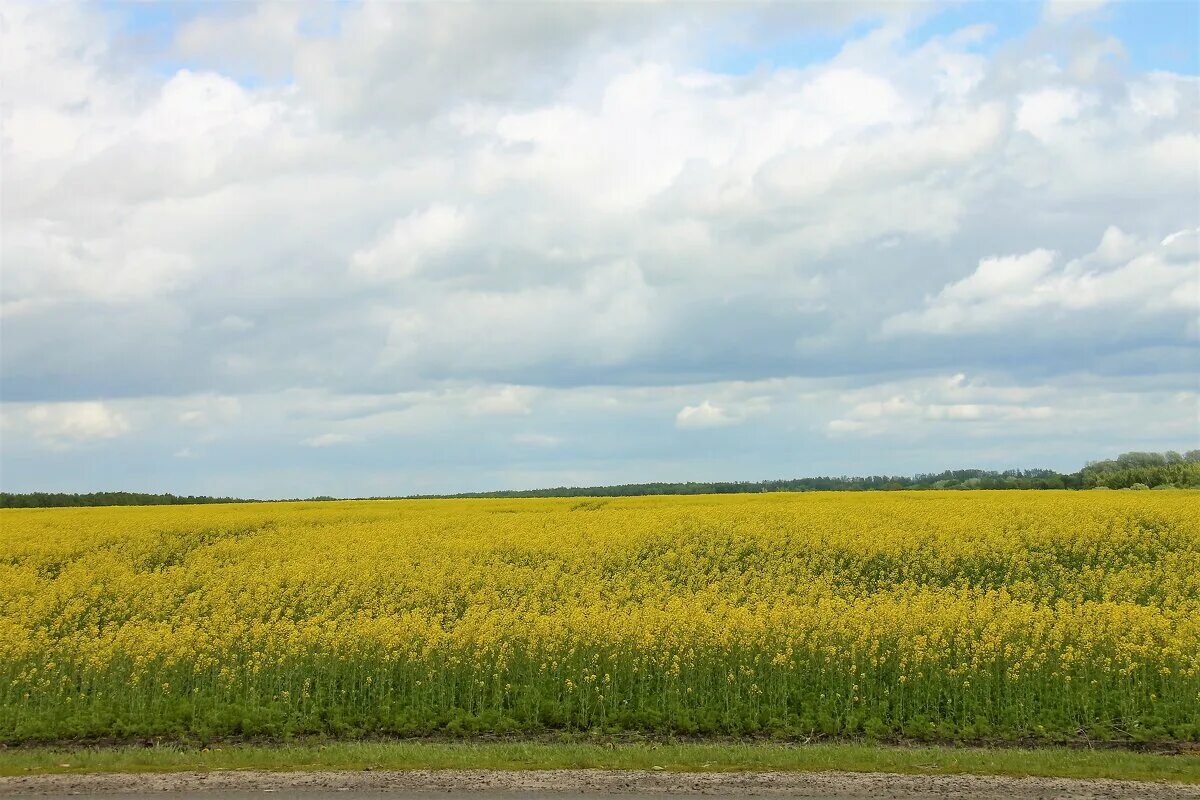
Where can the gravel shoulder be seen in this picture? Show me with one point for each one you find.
(593, 783)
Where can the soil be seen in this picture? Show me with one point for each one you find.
(561, 784)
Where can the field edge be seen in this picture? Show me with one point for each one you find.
(1048, 762)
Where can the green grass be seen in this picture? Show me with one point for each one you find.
(725, 756)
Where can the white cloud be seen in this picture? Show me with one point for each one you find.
(1155, 97)
(1148, 279)
(63, 425)
(1043, 113)
(328, 440)
(706, 415)
(617, 435)
(506, 401)
(911, 407)
(399, 253)
(261, 39)
(1056, 11)
(210, 410)
(413, 207)
(52, 264)
(235, 324)
(537, 439)
(523, 230)
(607, 317)
(997, 276)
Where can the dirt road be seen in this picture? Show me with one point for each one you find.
(578, 784)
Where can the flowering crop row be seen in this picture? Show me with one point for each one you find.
(918, 614)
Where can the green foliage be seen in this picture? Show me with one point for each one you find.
(70, 500)
(603, 752)
(1139, 470)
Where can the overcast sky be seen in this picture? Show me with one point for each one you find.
(356, 249)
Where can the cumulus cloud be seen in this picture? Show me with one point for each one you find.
(64, 425)
(606, 317)
(421, 213)
(1045, 112)
(508, 400)
(328, 440)
(400, 252)
(234, 323)
(537, 440)
(433, 443)
(382, 217)
(1122, 273)
(209, 410)
(1060, 10)
(921, 404)
(109, 268)
(706, 415)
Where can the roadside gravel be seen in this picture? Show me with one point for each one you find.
(594, 783)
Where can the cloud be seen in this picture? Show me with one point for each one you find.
(923, 404)
(506, 401)
(632, 213)
(234, 323)
(107, 268)
(371, 220)
(209, 410)
(432, 443)
(1044, 113)
(705, 415)
(537, 440)
(64, 425)
(606, 317)
(328, 440)
(1057, 11)
(411, 240)
(1122, 273)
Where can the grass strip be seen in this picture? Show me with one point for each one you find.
(399, 755)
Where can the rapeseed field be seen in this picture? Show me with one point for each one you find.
(933, 615)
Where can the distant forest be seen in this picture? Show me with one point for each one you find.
(1137, 470)
(64, 500)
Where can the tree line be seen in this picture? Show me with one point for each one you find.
(1144, 470)
(1134, 470)
(69, 499)
(949, 479)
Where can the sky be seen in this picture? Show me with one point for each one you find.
(360, 249)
